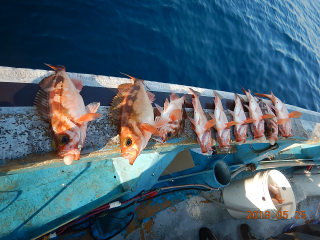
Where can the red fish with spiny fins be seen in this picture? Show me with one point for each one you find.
(271, 125)
(61, 105)
(255, 113)
(201, 125)
(222, 125)
(240, 129)
(173, 113)
(132, 107)
(283, 116)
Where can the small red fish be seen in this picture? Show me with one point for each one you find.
(173, 113)
(201, 125)
(283, 115)
(275, 192)
(240, 129)
(132, 107)
(257, 127)
(222, 125)
(60, 104)
(271, 124)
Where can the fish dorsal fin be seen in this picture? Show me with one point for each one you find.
(160, 109)
(209, 124)
(88, 117)
(295, 114)
(160, 121)
(150, 128)
(195, 93)
(192, 121)
(41, 104)
(175, 114)
(116, 104)
(232, 123)
(92, 107)
(174, 97)
(47, 81)
(125, 88)
(166, 104)
(151, 96)
(77, 83)
(232, 113)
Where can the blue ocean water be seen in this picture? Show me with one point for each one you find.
(262, 45)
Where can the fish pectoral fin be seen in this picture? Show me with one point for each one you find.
(77, 83)
(166, 104)
(160, 121)
(124, 88)
(174, 97)
(209, 124)
(160, 109)
(249, 120)
(88, 117)
(151, 96)
(232, 113)
(282, 121)
(150, 128)
(92, 107)
(158, 139)
(232, 123)
(295, 114)
(175, 114)
(268, 116)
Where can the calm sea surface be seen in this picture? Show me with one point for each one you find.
(262, 45)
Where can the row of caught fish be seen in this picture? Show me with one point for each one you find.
(61, 105)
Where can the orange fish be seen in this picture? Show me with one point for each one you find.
(257, 127)
(60, 104)
(132, 107)
(275, 192)
(222, 125)
(201, 125)
(240, 129)
(271, 125)
(173, 112)
(282, 113)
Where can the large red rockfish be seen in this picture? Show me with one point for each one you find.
(60, 104)
(282, 113)
(132, 107)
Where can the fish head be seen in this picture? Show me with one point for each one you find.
(286, 129)
(240, 133)
(271, 131)
(169, 130)
(70, 142)
(223, 137)
(132, 142)
(205, 142)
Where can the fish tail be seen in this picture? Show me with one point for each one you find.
(263, 95)
(133, 78)
(243, 89)
(195, 93)
(57, 67)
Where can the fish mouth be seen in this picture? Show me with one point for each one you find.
(69, 157)
(131, 156)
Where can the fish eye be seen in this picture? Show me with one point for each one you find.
(169, 134)
(64, 139)
(127, 142)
